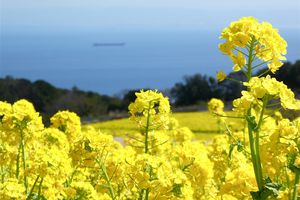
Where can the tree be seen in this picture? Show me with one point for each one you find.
(194, 88)
(229, 90)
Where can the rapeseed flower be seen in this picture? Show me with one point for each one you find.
(263, 40)
(221, 76)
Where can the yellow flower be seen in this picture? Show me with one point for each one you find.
(5, 108)
(239, 61)
(242, 104)
(150, 108)
(182, 134)
(269, 46)
(260, 87)
(216, 106)
(275, 65)
(226, 48)
(84, 190)
(23, 110)
(11, 189)
(5, 115)
(221, 76)
(67, 122)
(240, 182)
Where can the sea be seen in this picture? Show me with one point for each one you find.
(111, 62)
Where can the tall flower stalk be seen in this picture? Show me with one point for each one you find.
(151, 111)
(251, 45)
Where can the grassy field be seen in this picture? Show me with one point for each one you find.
(203, 124)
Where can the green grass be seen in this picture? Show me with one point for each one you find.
(203, 124)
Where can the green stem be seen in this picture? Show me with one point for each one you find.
(2, 174)
(40, 188)
(257, 147)
(254, 158)
(68, 182)
(147, 194)
(227, 116)
(250, 59)
(24, 161)
(146, 191)
(296, 186)
(264, 73)
(141, 195)
(254, 143)
(219, 126)
(236, 81)
(241, 52)
(147, 129)
(107, 179)
(258, 65)
(32, 188)
(244, 72)
(235, 140)
(18, 162)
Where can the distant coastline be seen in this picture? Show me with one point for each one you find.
(96, 44)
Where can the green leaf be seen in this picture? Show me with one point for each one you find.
(87, 147)
(270, 189)
(188, 165)
(240, 146)
(291, 163)
(295, 168)
(177, 190)
(231, 148)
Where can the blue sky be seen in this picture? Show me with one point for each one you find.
(81, 15)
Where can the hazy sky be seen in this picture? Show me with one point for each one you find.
(81, 15)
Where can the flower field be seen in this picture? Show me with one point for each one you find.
(253, 152)
(203, 124)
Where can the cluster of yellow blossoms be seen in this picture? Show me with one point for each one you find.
(266, 89)
(261, 38)
(64, 162)
(153, 106)
(216, 106)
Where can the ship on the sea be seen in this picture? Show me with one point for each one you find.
(109, 44)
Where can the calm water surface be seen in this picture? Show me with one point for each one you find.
(147, 60)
